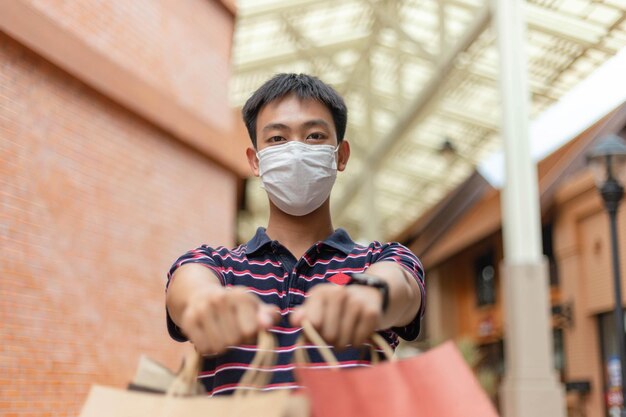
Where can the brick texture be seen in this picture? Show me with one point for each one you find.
(95, 203)
(179, 47)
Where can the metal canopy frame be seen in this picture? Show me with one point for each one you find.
(414, 74)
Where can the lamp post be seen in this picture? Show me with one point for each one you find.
(608, 162)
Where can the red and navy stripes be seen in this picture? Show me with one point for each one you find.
(269, 270)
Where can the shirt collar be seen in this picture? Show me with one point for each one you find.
(339, 240)
(259, 240)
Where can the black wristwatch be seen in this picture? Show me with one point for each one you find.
(374, 282)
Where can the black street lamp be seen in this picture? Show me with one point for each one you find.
(608, 162)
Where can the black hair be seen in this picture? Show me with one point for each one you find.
(304, 87)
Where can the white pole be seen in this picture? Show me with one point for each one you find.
(530, 387)
(370, 223)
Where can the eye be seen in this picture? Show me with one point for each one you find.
(317, 136)
(275, 139)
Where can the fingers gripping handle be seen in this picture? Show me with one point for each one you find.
(257, 375)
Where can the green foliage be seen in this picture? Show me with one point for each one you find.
(470, 351)
(487, 378)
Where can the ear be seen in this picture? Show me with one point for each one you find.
(253, 161)
(343, 154)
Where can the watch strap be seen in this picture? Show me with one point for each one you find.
(374, 282)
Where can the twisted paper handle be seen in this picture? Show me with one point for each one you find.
(309, 333)
(185, 383)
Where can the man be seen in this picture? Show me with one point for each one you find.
(299, 267)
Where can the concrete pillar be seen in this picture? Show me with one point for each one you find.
(530, 387)
(434, 319)
(370, 229)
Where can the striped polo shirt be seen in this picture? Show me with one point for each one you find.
(269, 270)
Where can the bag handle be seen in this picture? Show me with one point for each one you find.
(186, 384)
(383, 345)
(265, 357)
(309, 333)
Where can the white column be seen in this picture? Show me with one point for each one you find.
(370, 229)
(530, 387)
(522, 234)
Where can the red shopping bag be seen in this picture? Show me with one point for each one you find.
(437, 383)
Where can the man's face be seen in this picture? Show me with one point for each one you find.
(291, 119)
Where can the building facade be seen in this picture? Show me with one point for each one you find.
(460, 242)
(118, 152)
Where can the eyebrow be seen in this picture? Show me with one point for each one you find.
(308, 124)
(316, 123)
(275, 126)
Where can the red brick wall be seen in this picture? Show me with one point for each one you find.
(95, 203)
(180, 47)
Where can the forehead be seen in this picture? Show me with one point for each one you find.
(293, 111)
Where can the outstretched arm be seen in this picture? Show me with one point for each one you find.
(405, 297)
(211, 316)
(350, 314)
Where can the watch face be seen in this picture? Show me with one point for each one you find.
(370, 280)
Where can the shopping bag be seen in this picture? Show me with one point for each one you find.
(437, 383)
(111, 402)
(182, 399)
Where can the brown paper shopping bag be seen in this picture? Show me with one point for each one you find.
(181, 398)
(111, 402)
(437, 383)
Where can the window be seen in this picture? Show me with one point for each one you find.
(559, 350)
(548, 251)
(485, 278)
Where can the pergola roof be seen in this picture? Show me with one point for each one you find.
(420, 78)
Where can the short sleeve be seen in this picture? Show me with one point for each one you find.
(395, 252)
(204, 256)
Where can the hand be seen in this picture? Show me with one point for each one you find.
(218, 318)
(341, 314)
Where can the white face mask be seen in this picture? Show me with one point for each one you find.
(298, 177)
